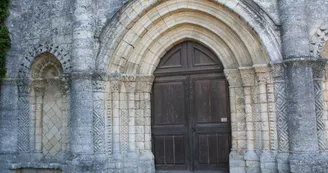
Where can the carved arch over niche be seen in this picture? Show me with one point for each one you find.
(43, 108)
(319, 46)
(49, 98)
(61, 54)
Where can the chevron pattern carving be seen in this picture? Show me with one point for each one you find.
(281, 108)
(23, 123)
(319, 110)
(98, 126)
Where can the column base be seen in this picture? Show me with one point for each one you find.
(308, 163)
(131, 162)
(252, 162)
(283, 163)
(268, 162)
(237, 162)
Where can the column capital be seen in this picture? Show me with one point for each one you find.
(247, 75)
(9, 81)
(278, 70)
(99, 81)
(263, 73)
(145, 83)
(318, 68)
(233, 77)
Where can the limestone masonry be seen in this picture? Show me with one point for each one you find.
(77, 97)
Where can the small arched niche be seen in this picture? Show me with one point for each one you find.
(50, 107)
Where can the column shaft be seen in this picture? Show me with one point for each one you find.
(301, 110)
(8, 117)
(295, 41)
(83, 62)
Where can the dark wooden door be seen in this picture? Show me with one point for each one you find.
(190, 111)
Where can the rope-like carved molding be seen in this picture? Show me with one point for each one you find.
(61, 53)
(319, 40)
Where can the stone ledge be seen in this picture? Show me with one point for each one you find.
(37, 165)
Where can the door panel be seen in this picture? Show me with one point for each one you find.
(190, 111)
(169, 127)
(210, 121)
(170, 108)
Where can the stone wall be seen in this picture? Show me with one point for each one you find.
(107, 50)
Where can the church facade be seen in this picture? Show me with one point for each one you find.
(145, 86)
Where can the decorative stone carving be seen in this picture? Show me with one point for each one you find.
(262, 73)
(59, 52)
(318, 68)
(318, 74)
(98, 113)
(247, 76)
(50, 132)
(233, 77)
(115, 85)
(278, 70)
(281, 106)
(144, 83)
(23, 116)
(318, 41)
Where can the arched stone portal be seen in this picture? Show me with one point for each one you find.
(190, 111)
(143, 31)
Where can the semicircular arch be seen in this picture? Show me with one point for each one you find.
(140, 22)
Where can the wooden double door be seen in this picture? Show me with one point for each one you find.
(190, 111)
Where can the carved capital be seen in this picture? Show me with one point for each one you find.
(128, 78)
(98, 85)
(115, 85)
(144, 83)
(99, 81)
(247, 76)
(143, 86)
(130, 86)
(233, 77)
(278, 70)
(9, 81)
(318, 68)
(262, 73)
(38, 86)
(22, 84)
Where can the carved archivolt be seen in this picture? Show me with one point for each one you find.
(59, 52)
(136, 46)
(318, 41)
